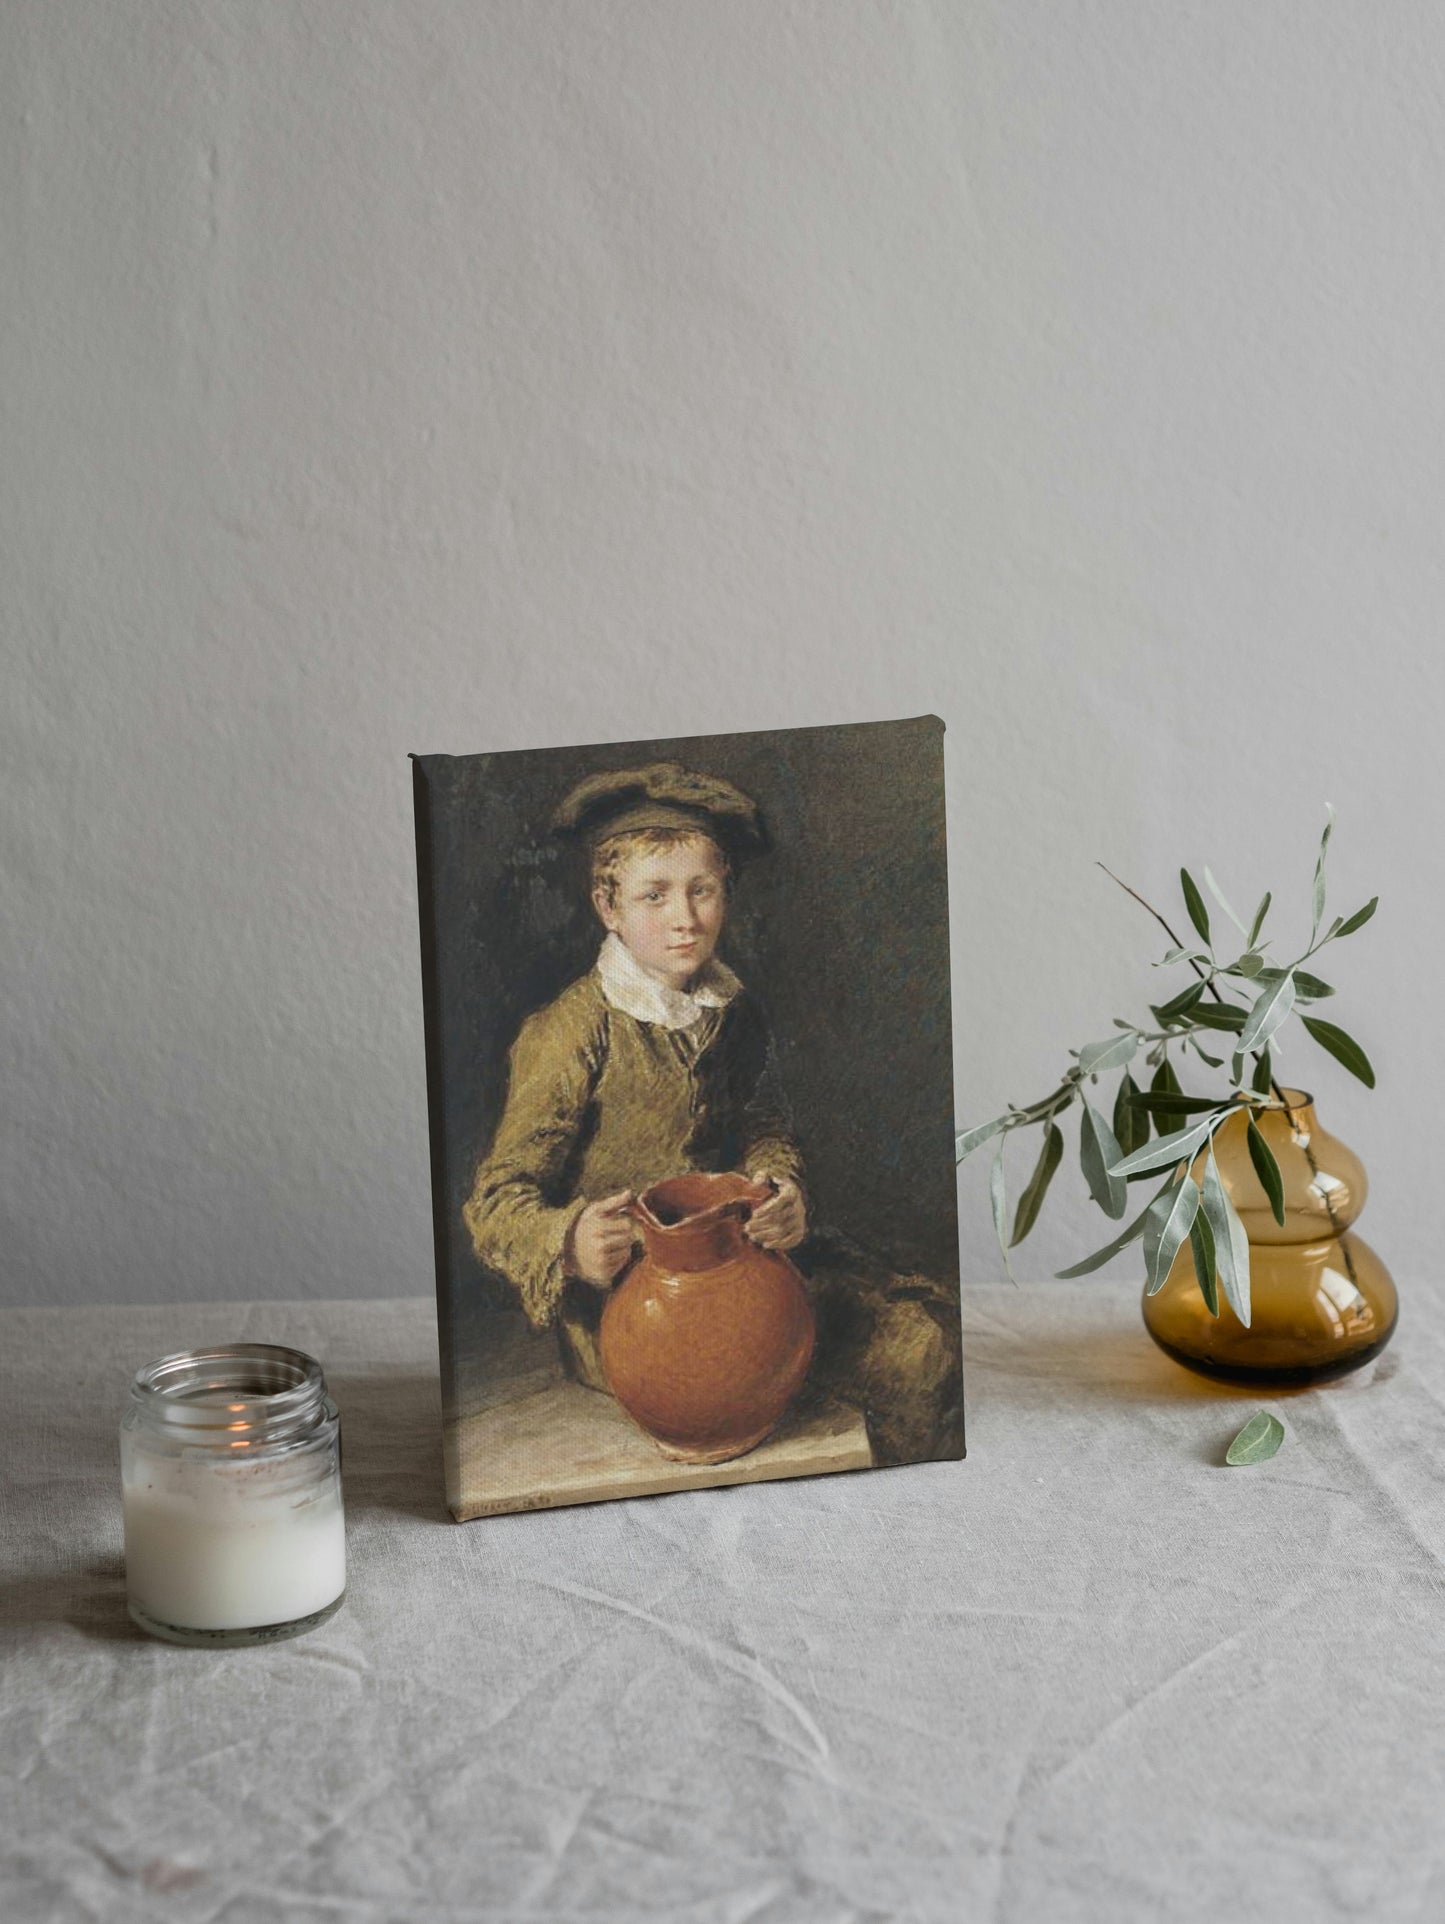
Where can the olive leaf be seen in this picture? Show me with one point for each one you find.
(1218, 893)
(1120, 1242)
(1201, 1243)
(1031, 1201)
(1098, 1151)
(1307, 987)
(1131, 1124)
(971, 1139)
(1114, 1052)
(1268, 1013)
(1158, 1104)
(1319, 888)
(1163, 1083)
(1178, 1147)
(1194, 902)
(1257, 1442)
(1263, 1074)
(1179, 1005)
(1358, 919)
(1342, 1047)
(1231, 1244)
(1267, 1169)
(998, 1202)
(1219, 1015)
(1170, 1218)
(1258, 923)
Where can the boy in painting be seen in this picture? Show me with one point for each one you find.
(659, 1061)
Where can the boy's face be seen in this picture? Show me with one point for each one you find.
(669, 908)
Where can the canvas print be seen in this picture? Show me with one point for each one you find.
(690, 1087)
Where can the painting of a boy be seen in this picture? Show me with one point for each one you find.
(658, 1061)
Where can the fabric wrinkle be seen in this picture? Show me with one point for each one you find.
(741, 1662)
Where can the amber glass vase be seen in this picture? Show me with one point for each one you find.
(1322, 1302)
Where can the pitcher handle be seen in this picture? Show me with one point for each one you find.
(763, 1189)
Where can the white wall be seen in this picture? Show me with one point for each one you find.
(448, 377)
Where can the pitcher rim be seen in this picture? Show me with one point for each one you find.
(703, 1218)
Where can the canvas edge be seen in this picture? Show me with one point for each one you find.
(436, 1108)
(722, 1479)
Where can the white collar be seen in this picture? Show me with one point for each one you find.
(629, 987)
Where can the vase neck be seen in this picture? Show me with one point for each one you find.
(1322, 1181)
(1290, 1120)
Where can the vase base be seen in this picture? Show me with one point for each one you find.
(1275, 1376)
(1322, 1309)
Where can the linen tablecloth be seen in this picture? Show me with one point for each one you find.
(1087, 1673)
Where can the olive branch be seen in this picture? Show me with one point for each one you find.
(1116, 1152)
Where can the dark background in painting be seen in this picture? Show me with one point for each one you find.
(842, 930)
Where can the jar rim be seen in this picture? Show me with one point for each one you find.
(232, 1392)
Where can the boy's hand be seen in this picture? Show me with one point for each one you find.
(601, 1240)
(782, 1221)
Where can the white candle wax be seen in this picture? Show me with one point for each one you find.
(231, 1546)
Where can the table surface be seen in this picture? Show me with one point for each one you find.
(1087, 1673)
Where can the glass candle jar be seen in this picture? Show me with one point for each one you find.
(231, 1486)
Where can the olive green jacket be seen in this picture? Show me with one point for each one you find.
(600, 1101)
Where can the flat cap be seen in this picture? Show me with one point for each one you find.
(661, 795)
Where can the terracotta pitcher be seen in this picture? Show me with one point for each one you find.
(706, 1340)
